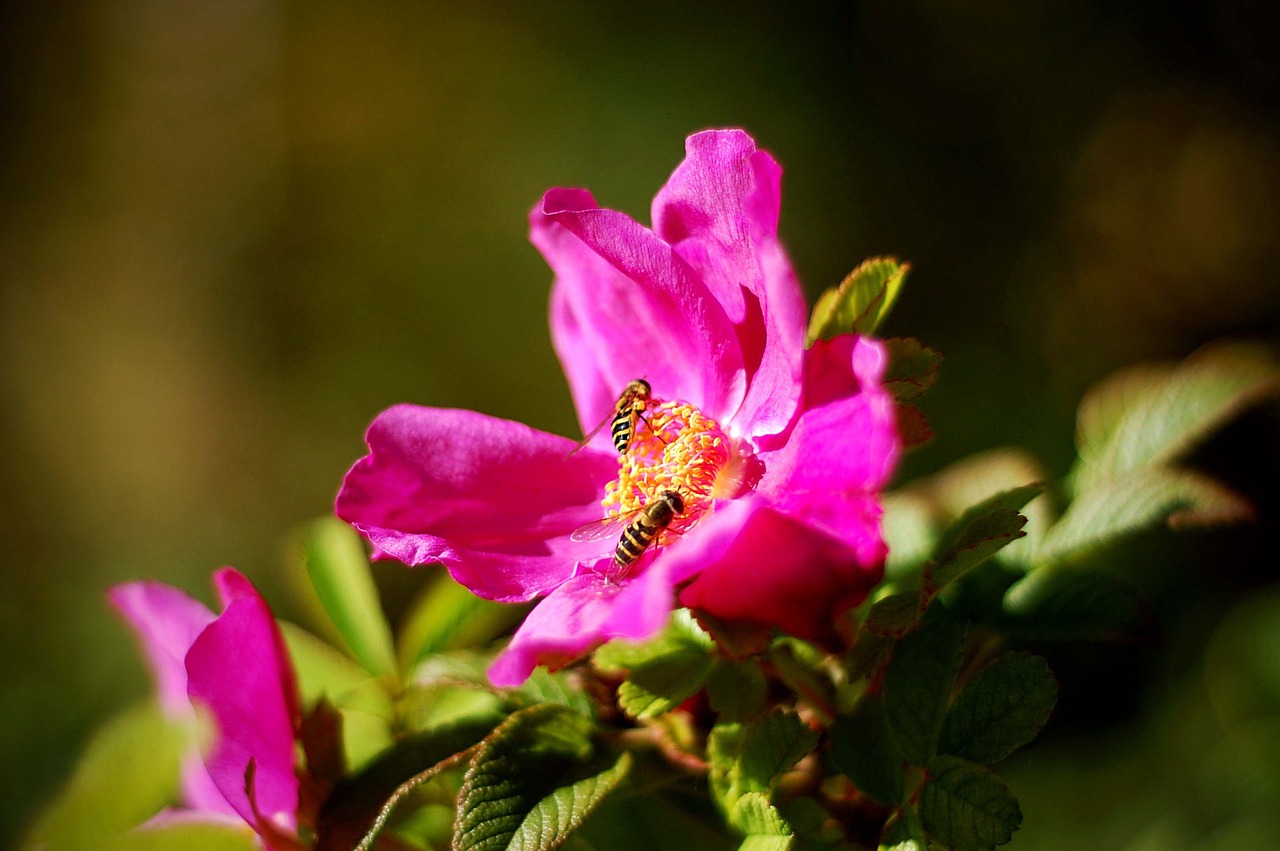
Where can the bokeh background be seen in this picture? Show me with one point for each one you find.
(231, 232)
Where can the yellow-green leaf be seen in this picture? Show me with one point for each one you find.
(338, 568)
(861, 301)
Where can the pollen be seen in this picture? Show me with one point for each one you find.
(674, 446)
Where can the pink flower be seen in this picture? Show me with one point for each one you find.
(235, 666)
(777, 452)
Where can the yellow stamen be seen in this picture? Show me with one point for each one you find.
(677, 448)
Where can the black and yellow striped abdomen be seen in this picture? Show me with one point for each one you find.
(642, 531)
(630, 406)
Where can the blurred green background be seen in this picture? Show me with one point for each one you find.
(231, 232)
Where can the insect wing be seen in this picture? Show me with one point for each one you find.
(587, 438)
(606, 527)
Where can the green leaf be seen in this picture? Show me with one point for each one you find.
(978, 534)
(352, 807)
(1134, 426)
(426, 827)
(446, 616)
(681, 632)
(765, 828)
(184, 837)
(860, 302)
(910, 529)
(663, 684)
(535, 752)
(753, 756)
(429, 706)
(771, 747)
(814, 828)
(903, 832)
(454, 666)
(864, 750)
(913, 368)
(450, 685)
(1000, 709)
(338, 568)
(918, 683)
(651, 812)
(913, 427)
(804, 669)
(364, 735)
(966, 807)
(1135, 501)
(1149, 415)
(913, 514)
(663, 671)
(1070, 603)
(556, 816)
(561, 687)
(128, 773)
(869, 652)
(977, 478)
(324, 673)
(736, 689)
(894, 616)
(322, 669)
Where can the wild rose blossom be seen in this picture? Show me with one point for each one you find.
(777, 451)
(235, 666)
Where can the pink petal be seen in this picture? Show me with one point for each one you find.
(640, 309)
(828, 371)
(236, 669)
(594, 393)
(702, 213)
(847, 446)
(583, 613)
(166, 622)
(491, 499)
(760, 566)
(848, 443)
(853, 519)
(233, 585)
(841, 367)
(199, 792)
(719, 210)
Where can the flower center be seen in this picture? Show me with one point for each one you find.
(674, 446)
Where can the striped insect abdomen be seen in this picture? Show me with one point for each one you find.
(655, 517)
(631, 405)
(623, 423)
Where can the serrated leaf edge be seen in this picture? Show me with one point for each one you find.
(945, 766)
(1006, 659)
(566, 823)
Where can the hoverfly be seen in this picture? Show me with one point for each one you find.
(626, 411)
(639, 528)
